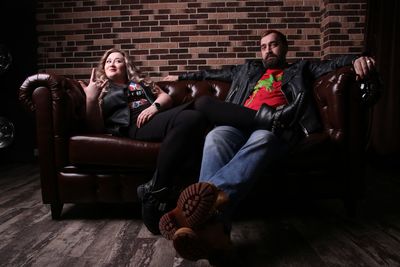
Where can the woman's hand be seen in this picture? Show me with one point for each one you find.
(171, 78)
(92, 90)
(146, 115)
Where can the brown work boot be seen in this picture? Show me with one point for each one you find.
(211, 241)
(196, 205)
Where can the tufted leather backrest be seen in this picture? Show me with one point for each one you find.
(67, 99)
(331, 93)
(184, 91)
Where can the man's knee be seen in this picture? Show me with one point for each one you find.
(265, 139)
(264, 136)
(221, 133)
(225, 136)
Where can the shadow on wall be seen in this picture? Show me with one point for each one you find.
(18, 39)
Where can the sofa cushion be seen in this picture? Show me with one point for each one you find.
(104, 149)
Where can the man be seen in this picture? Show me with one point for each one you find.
(233, 158)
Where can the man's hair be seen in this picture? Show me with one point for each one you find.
(281, 36)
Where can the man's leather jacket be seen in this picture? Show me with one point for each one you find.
(297, 78)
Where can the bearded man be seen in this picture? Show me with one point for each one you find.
(233, 158)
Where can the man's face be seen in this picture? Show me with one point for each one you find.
(273, 52)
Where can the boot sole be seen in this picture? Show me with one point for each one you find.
(196, 204)
(194, 245)
(188, 245)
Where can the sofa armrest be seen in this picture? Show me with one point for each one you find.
(59, 106)
(58, 102)
(331, 92)
(344, 113)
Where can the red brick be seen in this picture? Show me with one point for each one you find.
(74, 34)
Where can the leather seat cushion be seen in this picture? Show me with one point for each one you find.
(107, 150)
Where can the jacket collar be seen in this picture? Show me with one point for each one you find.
(290, 71)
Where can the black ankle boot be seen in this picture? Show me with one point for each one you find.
(277, 120)
(154, 205)
(264, 118)
(142, 189)
(148, 187)
(288, 115)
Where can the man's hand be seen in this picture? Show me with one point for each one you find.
(171, 78)
(363, 66)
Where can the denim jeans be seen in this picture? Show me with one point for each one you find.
(234, 159)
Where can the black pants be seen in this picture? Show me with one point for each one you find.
(223, 113)
(182, 131)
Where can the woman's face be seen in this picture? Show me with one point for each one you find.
(115, 67)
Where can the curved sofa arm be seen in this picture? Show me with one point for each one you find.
(54, 83)
(331, 92)
(59, 104)
(67, 98)
(344, 109)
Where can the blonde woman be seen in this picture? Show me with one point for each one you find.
(121, 101)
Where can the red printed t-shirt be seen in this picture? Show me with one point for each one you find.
(267, 90)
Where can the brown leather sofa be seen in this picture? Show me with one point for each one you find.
(77, 166)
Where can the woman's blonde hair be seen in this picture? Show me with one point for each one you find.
(132, 72)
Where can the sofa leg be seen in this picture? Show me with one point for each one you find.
(56, 209)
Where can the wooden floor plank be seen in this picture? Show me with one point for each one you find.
(301, 234)
(379, 241)
(332, 244)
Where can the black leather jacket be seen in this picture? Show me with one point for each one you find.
(297, 77)
(115, 110)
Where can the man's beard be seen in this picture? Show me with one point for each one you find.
(273, 62)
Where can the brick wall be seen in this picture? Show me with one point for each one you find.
(168, 37)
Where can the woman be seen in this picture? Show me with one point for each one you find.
(121, 101)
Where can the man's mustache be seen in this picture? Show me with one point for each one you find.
(270, 56)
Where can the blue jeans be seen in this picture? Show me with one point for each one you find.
(233, 159)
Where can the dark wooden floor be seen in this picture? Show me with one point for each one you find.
(307, 234)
